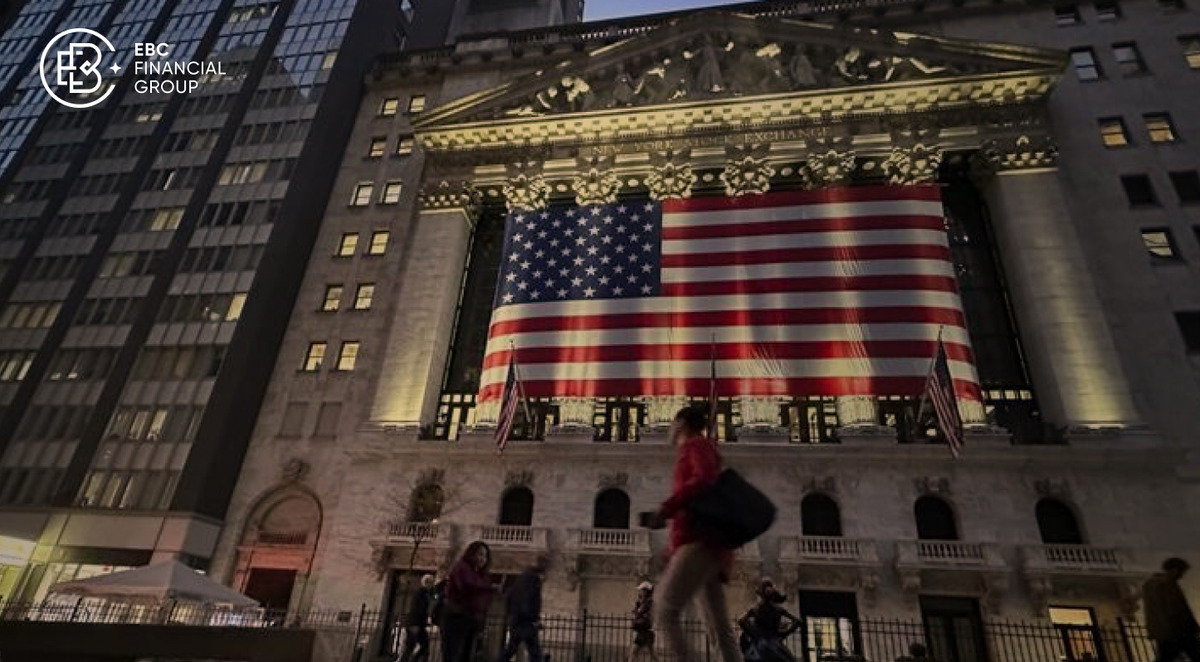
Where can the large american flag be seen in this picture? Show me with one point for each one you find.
(832, 292)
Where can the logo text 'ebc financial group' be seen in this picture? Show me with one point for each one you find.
(74, 63)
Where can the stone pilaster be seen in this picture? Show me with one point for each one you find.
(1073, 360)
(419, 341)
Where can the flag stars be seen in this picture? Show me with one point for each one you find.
(590, 271)
(525, 265)
(508, 298)
(577, 282)
(562, 294)
(646, 289)
(604, 259)
(589, 292)
(592, 250)
(522, 286)
(606, 239)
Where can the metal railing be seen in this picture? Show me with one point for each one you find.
(1082, 556)
(585, 637)
(958, 552)
(414, 530)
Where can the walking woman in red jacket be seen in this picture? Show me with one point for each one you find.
(697, 563)
(468, 593)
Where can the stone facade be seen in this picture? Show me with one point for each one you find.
(601, 124)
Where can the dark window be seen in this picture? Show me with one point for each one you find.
(1187, 185)
(427, 501)
(953, 629)
(1189, 326)
(1172, 5)
(1065, 15)
(1108, 10)
(1139, 190)
(612, 510)
(935, 519)
(819, 516)
(1086, 66)
(831, 626)
(516, 506)
(1129, 59)
(1057, 523)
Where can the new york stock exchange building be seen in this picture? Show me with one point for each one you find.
(802, 200)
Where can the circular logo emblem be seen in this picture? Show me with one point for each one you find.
(75, 67)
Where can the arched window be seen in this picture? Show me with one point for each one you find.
(516, 506)
(819, 516)
(935, 519)
(427, 501)
(1057, 523)
(612, 510)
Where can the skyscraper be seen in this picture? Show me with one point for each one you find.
(152, 246)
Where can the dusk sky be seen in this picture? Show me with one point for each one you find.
(599, 9)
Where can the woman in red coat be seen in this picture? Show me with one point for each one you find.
(468, 593)
(697, 564)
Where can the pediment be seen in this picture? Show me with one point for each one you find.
(719, 57)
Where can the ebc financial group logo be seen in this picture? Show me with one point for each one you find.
(72, 63)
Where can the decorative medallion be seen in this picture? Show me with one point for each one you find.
(830, 167)
(1021, 153)
(596, 183)
(451, 195)
(747, 171)
(913, 165)
(672, 175)
(526, 188)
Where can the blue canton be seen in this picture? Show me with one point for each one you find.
(578, 253)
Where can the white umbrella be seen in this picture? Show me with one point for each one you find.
(169, 579)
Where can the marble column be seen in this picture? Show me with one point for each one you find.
(914, 162)
(1072, 357)
(410, 377)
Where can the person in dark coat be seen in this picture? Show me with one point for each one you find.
(524, 603)
(764, 629)
(468, 592)
(416, 623)
(643, 624)
(1169, 619)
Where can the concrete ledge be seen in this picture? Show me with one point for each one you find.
(27, 641)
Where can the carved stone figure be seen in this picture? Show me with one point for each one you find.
(624, 89)
(709, 78)
(801, 70)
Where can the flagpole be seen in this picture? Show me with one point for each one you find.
(520, 386)
(712, 387)
(929, 375)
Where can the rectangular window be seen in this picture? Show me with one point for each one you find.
(404, 147)
(362, 194)
(1139, 190)
(1129, 59)
(293, 419)
(391, 193)
(314, 357)
(389, 107)
(1065, 15)
(236, 304)
(333, 298)
(1159, 244)
(1187, 186)
(1189, 326)
(1113, 132)
(416, 103)
(1077, 630)
(379, 242)
(1190, 45)
(348, 356)
(1108, 10)
(1086, 66)
(327, 419)
(378, 145)
(348, 245)
(1160, 128)
(364, 295)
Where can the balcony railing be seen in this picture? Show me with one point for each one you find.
(827, 550)
(1073, 558)
(947, 554)
(509, 535)
(424, 533)
(609, 540)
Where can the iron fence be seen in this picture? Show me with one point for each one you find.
(586, 637)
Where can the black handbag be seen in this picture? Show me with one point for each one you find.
(731, 511)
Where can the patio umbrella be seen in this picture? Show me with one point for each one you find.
(169, 579)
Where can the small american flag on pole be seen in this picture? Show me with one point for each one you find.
(513, 394)
(939, 389)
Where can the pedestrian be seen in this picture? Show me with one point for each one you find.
(643, 623)
(468, 592)
(416, 623)
(697, 562)
(524, 605)
(767, 625)
(1169, 619)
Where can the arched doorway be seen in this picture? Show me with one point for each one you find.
(276, 552)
